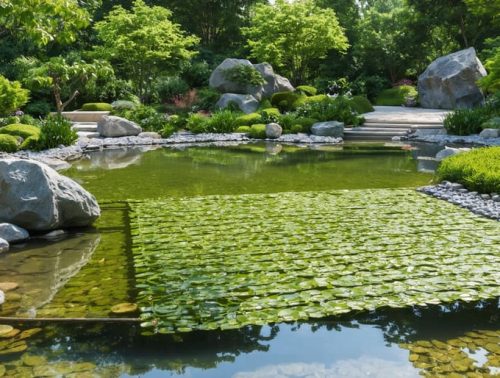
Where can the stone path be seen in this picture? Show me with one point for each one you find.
(387, 122)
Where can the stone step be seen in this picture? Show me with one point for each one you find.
(405, 121)
(383, 129)
(403, 125)
(351, 134)
(87, 134)
(85, 127)
(80, 116)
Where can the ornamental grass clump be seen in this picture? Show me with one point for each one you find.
(477, 170)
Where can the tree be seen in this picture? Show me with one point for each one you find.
(44, 21)
(294, 37)
(143, 43)
(65, 77)
(12, 96)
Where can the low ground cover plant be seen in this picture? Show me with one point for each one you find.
(477, 170)
(473, 121)
(396, 96)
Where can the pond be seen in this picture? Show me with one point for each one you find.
(84, 273)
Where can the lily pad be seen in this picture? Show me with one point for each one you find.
(124, 308)
(5, 329)
(8, 286)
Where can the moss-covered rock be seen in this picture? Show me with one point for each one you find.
(243, 129)
(8, 143)
(23, 131)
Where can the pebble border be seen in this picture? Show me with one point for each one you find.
(486, 205)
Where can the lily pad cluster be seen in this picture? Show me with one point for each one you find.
(223, 262)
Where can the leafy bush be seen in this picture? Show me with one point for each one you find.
(307, 90)
(248, 119)
(284, 100)
(197, 74)
(493, 123)
(97, 107)
(244, 75)
(308, 100)
(24, 131)
(24, 119)
(361, 104)
(222, 122)
(258, 131)
(196, 123)
(469, 121)
(123, 105)
(396, 96)
(167, 130)
(331, 109)
(265, 104)
(170, 88)
(478, 169)
(38, 108)
(12, 96)
(370, 86)
(8, 143)
(146, 116)
(298, 129)
(286, 121)
(491, 82)
(270, 115)
(55, 131)
(243, 129)
(207, 98)
(305, 124)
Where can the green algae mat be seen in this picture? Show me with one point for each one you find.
(223, 262)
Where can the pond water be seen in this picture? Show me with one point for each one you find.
(86, 272)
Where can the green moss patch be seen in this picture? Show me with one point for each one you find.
(24, 131)
(224, 262)
(8, 143)
(396, 96)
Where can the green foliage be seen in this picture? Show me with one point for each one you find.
(55, 131)
(470, 121)
(24, 119)
(258, 131)
(307, 90)
(8, 143)
(270, 115)
(493, 123)
(97, 107)
(303, 124)
(38, 108)
(491, 82)
(285, 100)
(170, 88)
(478, 169)
(221, 122)
(24, 131)
(12, 96)
(197, 123)
(123, 105)
(294, 36)
(396, 96)
(248, 119)
(265, 104)
(361, 104)
(370, 86)
(196, 74)
(243, 129)
(145, 116)
(244, 75)
(144, 42)
(308, 100)
(286, 121)
(207, 98)
(331, 109)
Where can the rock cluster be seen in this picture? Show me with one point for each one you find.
(487, 205)
(450, 81)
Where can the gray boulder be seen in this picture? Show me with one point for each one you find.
(273, 131)
(449, 151)
(149, 134)
(246, 103)
(13, 233)
(331, 128)
(112, 126)
(36, 197)
(490, 133)
(273, 82)
(4, 246)
(450, 81)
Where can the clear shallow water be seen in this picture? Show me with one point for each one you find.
(381, 343)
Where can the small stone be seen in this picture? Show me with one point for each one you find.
(4, 245)
(496, 198)
(273, 131)
(8, 286)
(485, 196)
(13, 233)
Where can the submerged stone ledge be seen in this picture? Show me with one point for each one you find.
(223, 262)
(487, 205)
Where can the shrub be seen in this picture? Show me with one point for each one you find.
(24, 119)
(284, 100)
(223, 121)
(295, 129)
(207, 98)
(371, 86)
(305, 124)
(24, 131)
(248, 119)
(331, 109)
(8, 143)
(244, 75)
(167, 130)
(38, 108)
(243, 129)
(478, 169)
(308, 100)
(307, 90)
(396, 96)
(197, 123)
(197, 74)
(56, 131)
(469, 121)
(170, 88)
(265, 104)
(146, 116)
(30, 143)
(258, 131)
(12, 96)
(97, 107)
(286, 121)
(123, 105)
(361, 104)
(270, 115)
(493, 123)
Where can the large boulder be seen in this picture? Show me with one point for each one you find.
(331, 129)
(113, 127)
(36, 197)
(273, 82)
(247, 103)
(450, 81)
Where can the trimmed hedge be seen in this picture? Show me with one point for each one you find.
(478, 169)
(248, 119)
(307, 90)
(243, 129)
(361, 104)
(396, 96)
(8, 143)
(258, 131)
(301, 101)
(19, 129)
(97, 107)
